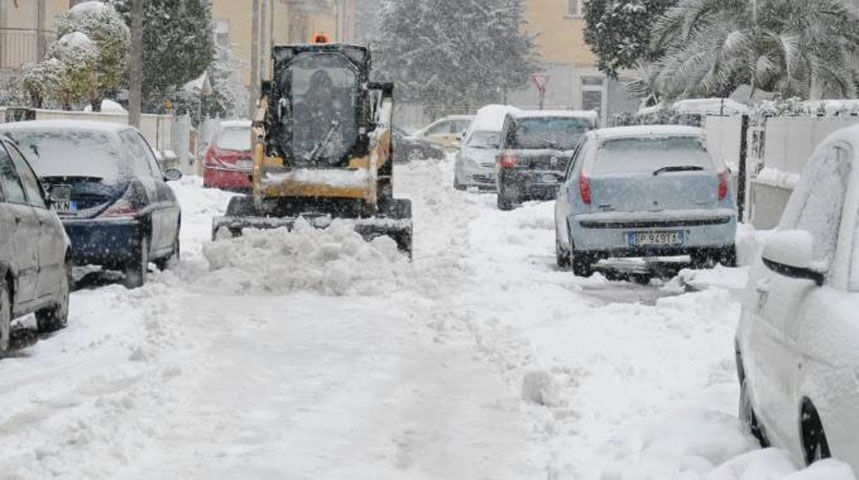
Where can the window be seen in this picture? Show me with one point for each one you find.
(32, 187)
(221, 30)
(9, 181)
(149, 156)
(443, 128)
(137, 154)
(818, 200)
(574, 8)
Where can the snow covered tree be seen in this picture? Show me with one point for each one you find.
(41, 81)
(103, 25)
(78, 56)
(618, 31)
(794, 48)
(451, 54)
(177, 45)
(230, 95)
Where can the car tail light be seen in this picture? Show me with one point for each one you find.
(122, 208)
(508, 159)
(724, 176)
(585, 188)
(212, 156)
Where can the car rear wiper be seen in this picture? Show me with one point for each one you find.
(681, 168)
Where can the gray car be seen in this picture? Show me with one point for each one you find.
(643, 192)
(535, 149)
(475, 162)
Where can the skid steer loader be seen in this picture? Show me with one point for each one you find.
(322, 148)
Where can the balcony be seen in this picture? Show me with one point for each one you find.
(20, 46)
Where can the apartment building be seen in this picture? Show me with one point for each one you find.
(281, 22)
(26, 30)
(572, 80)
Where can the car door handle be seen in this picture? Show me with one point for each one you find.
(17, 220)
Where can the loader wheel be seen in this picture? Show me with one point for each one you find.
(241, 206)
(400, 209)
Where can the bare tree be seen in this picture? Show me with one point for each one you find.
(255, 63)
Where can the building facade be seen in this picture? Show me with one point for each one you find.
(570, 75)
(281, 22)
(26, 30)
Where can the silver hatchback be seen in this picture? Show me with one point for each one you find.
(643, 192)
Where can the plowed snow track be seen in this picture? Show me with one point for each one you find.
(328, 358)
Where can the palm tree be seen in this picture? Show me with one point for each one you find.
(803, 48)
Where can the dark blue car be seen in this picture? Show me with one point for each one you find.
(122, 214)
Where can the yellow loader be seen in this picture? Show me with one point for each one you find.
(322, 148)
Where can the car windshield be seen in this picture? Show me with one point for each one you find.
(235, 138)
(73, 153)
(650, 154)
(484, 140)
(549, 132)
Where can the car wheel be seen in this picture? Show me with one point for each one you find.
(5, 316)
(727, 256)
(415, 155)
(163, 263)
(749, 418)
(457, 185)
(814, 443)
(562, 257)
(136, 270)
(581, 262)
(56, 317)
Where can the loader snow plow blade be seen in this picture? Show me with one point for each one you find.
(394, 222)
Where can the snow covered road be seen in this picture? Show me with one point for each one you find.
(316, 355)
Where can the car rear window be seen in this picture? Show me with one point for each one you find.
(73, 153)
(649, 154)
(484, 140)
(553, 132)
(238, 139)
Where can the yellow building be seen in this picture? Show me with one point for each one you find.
(281, 22)
(569, 66)
(26, 30)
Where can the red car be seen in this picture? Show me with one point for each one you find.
(228, 161)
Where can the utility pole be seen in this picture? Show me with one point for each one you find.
(264, 43)
(255, 63)
(135, 70)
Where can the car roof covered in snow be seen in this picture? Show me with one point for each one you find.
(588, 114)
(648, 130)
(491, 118)
(106, 127)
(236, 124)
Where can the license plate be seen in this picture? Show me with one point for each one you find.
(66, 207)
(643, 239)
(245, 164)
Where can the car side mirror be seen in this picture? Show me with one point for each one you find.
(60, 193)
(172, 174)
(791, 253)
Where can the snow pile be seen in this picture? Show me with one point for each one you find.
(777, 178)
(108, 106)
(332, 261)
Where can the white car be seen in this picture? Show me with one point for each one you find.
(797, 343)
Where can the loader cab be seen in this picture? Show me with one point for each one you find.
(319, 105)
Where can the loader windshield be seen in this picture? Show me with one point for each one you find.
(323, 91)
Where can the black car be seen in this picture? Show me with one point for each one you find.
(34, 249)
(121, 214)
(409, 149)
(535, 149)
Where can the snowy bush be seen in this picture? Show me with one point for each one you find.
(79, 56)
(105, 27)
(41, 81)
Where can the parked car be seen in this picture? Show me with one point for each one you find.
(535, 149)
(797, 343)
(34, 248)
(229, 163)
(121, 214)
(408, 148)
(446, 131)
(643, 192)
(475, 161)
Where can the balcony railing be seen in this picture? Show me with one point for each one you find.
(20, 46)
